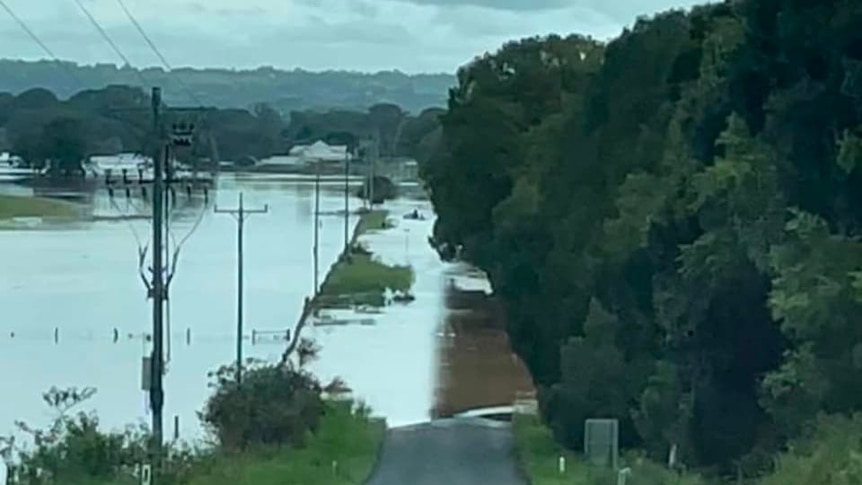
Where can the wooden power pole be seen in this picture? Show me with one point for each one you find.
(346, 200)
(316, 249)
(240, 214)
(158, 287)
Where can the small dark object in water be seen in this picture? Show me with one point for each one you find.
(403, 298)
(415, 215)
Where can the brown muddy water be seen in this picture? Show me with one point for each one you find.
(476, 366)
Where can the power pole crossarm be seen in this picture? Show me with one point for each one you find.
(240, 214)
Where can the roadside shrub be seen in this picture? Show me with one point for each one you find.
(382, 188)
(272, 406)
(832, 456)
(73, 449)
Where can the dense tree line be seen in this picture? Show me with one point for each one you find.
(671, 220)
(38, 126)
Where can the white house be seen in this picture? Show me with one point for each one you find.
(319, 151)
(12, 169)
(9, 160)
(131, 162)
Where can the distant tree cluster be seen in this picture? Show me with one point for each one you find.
(672, 220)
(38, 126)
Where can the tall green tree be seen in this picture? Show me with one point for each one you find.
(671, 221)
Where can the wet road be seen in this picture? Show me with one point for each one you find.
(459, 451)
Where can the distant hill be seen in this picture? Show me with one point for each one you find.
(286, 91)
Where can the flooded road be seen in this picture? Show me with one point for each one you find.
(477, 367)
(391, 365)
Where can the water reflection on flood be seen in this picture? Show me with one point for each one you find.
(83, 280)
(477, 368)
(391, 364)
(75, 311)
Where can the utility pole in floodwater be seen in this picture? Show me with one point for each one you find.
(161, 270)
(240, 214)
(316, 249)
(370, 149)
(158, 290)
(346, 200)
(375, 154)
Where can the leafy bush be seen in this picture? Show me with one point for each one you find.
(277, 413)
(341, 452)
(832, 456)
(382, 188)
(73, 449)
(272, 406)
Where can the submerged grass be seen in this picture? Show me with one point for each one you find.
(12, 206)
(363, 280)
(360, 278)
(372, 220)
(538, 454)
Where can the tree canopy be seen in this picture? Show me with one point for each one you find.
(672, 221)
(38, 125)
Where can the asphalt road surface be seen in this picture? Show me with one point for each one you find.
(458, 451)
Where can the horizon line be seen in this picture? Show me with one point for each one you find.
(120, 67)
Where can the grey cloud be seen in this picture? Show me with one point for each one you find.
(627, 11)
(516, 5)
(411, 35)
(505, 25)
(322, 31)
(622, 11)
(364, 8)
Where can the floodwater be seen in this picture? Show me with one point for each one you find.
(391, 364)
(477, 367)
(64, 292)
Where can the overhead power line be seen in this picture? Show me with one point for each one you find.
(38, 41)
(110, 41)
(27, 29)
(158, 53)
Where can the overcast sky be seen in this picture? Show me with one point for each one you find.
(365, 35)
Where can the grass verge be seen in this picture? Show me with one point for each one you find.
(361, 279)
(12, 206)
(343, 451)
(372, 220)
(538, 454)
